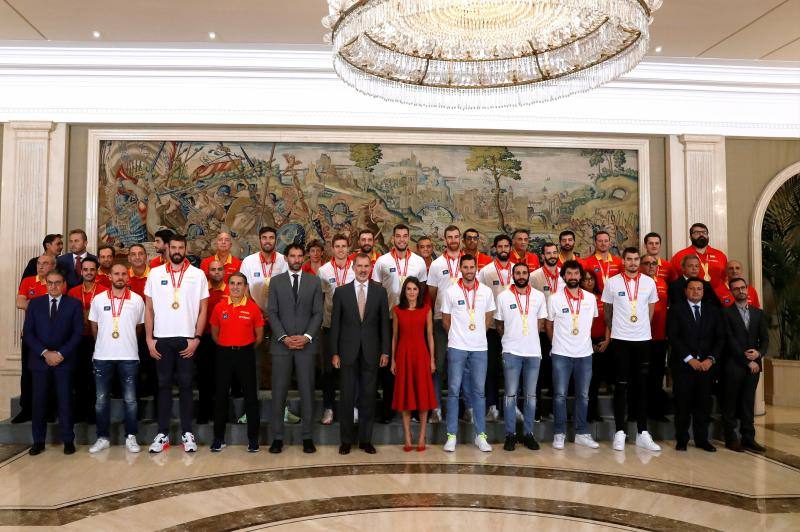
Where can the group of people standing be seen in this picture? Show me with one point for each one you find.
(407, 323)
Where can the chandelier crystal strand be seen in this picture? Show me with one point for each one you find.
(485, 53)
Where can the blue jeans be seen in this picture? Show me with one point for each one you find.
(128, 371)
(457, 361)
(513, 365)
(581, 370)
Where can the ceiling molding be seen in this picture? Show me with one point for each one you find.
(297, 86)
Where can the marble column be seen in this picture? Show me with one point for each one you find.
(32, 203)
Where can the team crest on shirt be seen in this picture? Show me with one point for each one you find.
(31, 292)
(256, 274)
(512, 306)
(461, 302)
(727, 301)
(445, 272)
(545, 288)
(495, 283)
(564, 310)
(597, 268)
(392, 270)
(107, 308)
(620, 293)
(332, 280)
(224, 315)
(164, 282)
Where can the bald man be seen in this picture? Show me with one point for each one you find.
(231, 263)
(735, 270)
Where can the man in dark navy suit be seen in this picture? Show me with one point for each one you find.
(52, 332)
(70, 263)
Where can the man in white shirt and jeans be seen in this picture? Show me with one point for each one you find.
(521, 311)
(629, 300)
(176, 304)
(116, 316)
(467, 310)
(571, 311)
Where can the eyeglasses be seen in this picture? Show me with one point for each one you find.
(470, 238)
(649, 263)
(700, 232)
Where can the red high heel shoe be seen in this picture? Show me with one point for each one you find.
(407, 448)
(420, 448)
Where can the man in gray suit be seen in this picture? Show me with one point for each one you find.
(295, 315)
(360, 340)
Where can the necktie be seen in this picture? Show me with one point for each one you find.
(745, 312)
(362, 301)
(294, 285)
(696, 312)
(53, 308)
(78, 265)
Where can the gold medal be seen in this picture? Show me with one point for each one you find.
(176, 305)
(707, 277)
(472, 326)
(470, 308)
(522, 311)
(115, 335)
(575, 332)
(633, 298)
(116, 313)
(634, 319)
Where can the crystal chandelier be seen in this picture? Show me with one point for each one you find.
(485, 53)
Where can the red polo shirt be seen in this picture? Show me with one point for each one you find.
(603, 269)
(713, 259)
(216, 294)
(483, 259)
(726, 297)
(136, 283)
(658, 325)
(237, 323)
(103, 280)
(231, 264)
(561, 260)
(86, 299)
(31, 287)
(530, 258)
(308, 268)
(599, 323)
(158, 260)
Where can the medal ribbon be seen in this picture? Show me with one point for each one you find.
(635, 299)
(498, 268)
(523, 313)
(84, 292)
(336, 272)
(450, 269)
(575, 313)
(554, 284)
(264, 263)
(704, 265)
(176, 288)
(397, 263)
(115, 314)
(470, 309)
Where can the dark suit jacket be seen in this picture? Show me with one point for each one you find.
(349, 334)
(62, 334)
(676, 293)
(739, 339)
(66, 264)
(290, 317)
(689, 337)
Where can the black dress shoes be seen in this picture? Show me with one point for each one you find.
(753, 446)
(344, 448)
(706, 446)
(511, 442)
(36, 448)
(22, 417)
(680, 446)
(308, 446)
(276, 447)
(734, 446)
(367, 448)
(530, 442)
(69, 448)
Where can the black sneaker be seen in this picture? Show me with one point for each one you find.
(253, 446)
(511, 442)
(217, 446)
(530, 442)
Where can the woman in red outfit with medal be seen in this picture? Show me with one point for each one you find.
(413, 359)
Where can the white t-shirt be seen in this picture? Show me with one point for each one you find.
(327, 276)
(256, 275)
(622, 328)
(510, 313)
(496, 278)
(453, 303)
(439, 276)
(125, 347)
(541, 282)
(386, 272)
(564, 342)
(170, 322)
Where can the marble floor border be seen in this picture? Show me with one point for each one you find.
(273, 514)
(107, 503)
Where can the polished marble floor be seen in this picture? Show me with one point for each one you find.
(574, 489)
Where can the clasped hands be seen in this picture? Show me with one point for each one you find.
(298, 341)
(705, 365)
(53, 358)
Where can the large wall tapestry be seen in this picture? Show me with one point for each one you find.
(313, 191)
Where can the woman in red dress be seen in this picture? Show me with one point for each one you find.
(413, 359)
(601, 337)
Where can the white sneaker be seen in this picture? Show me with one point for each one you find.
(558, 441)
(435, 416)
(493, 414)
(355, 415)
(468, 415)
(160, 443)
(131, 444)
(189, 444)
(450, 444)
(520, 416)
(327, 417)
(586, 440)
(645, 441)
(619, 440)
(481, 443)
(100, 445)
